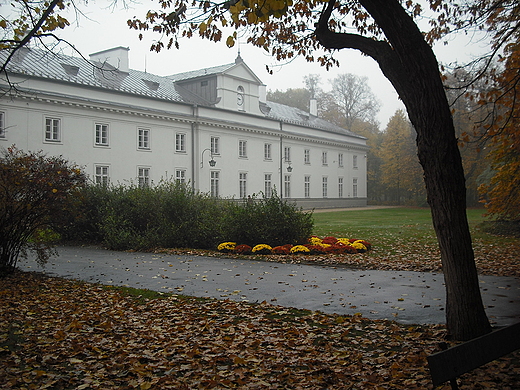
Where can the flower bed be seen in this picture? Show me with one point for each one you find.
(315, 246)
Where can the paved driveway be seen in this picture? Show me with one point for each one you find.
(408, 297)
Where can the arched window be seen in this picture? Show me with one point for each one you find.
(240, 97)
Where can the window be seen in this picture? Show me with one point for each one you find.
(340, 187)
(340, 160)
(324, 158)
(242, 149)
(324, 186)
(307, 187)
(215, 145)
(2, 124)
(240, 97)
(143, 176)
(214, 184)
(101, 175)
(268, 189)
(287, 186)
(287, 154)
(52, 130)
(267, 152)
(242, 184)
(143, 138)
(101, 134)
(354, 162)
(354, 188)
(180, 176)
(180, 142)
(307, 156)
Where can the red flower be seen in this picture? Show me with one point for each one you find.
(243, 249)
(282, 249)
(330, 240)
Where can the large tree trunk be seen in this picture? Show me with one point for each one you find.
(410, 65)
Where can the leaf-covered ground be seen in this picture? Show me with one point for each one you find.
(63, 334)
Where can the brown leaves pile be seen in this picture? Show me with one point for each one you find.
(62, 334)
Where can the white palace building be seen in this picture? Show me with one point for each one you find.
(212, 128)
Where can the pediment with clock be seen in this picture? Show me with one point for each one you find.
(233, 87)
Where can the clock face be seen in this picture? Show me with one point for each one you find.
(240, 99)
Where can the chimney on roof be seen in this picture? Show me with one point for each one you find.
(313, 110)
(116, 57)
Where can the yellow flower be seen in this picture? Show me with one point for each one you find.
(358, 245)
(315, 240)
(262, 248)
(227, 246)
(54, 190)
(299, 249)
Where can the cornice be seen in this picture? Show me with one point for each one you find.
(134, 111)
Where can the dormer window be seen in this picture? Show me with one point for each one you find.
(240, 97)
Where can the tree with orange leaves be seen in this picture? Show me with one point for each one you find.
(502, 194)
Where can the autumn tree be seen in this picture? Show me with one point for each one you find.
(386, 32)
(35, 194)
(502, 194)
(400, 169)
(30, 20)
(354, 98)
(467, 118)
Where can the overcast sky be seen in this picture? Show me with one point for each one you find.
(103, 28)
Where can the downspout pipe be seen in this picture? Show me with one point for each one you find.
(280, 160)
(194, 162)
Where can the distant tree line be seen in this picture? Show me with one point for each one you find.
(394, 174)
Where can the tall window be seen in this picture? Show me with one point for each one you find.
(287, 154)
(242, 184)
(215, 145)
(340, 187)
(101, 176)
(307, 156)
(354, 188)
(143, 138)
(267, 152)
(2, 124)
(180, 175)
(324, 158)
(268, 185)
(101, 134)
(242, 148)
(340, 160)
(287, 186)
(52, 130)
(180, 142)
(143, 176)
(324, 186)
(215, 183)
(354, 162)
(307, 187)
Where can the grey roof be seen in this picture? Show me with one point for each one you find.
(295, 115)
(200, 72)
(95, 74)
(45, 64)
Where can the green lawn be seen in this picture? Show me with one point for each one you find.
(388, 227)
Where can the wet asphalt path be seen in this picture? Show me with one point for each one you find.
(404, 296)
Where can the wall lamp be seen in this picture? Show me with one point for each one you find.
(211, 162)
(289, 167)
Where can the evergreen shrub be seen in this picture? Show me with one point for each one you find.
(174, 215)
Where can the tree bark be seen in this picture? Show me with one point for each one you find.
(410, 65)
